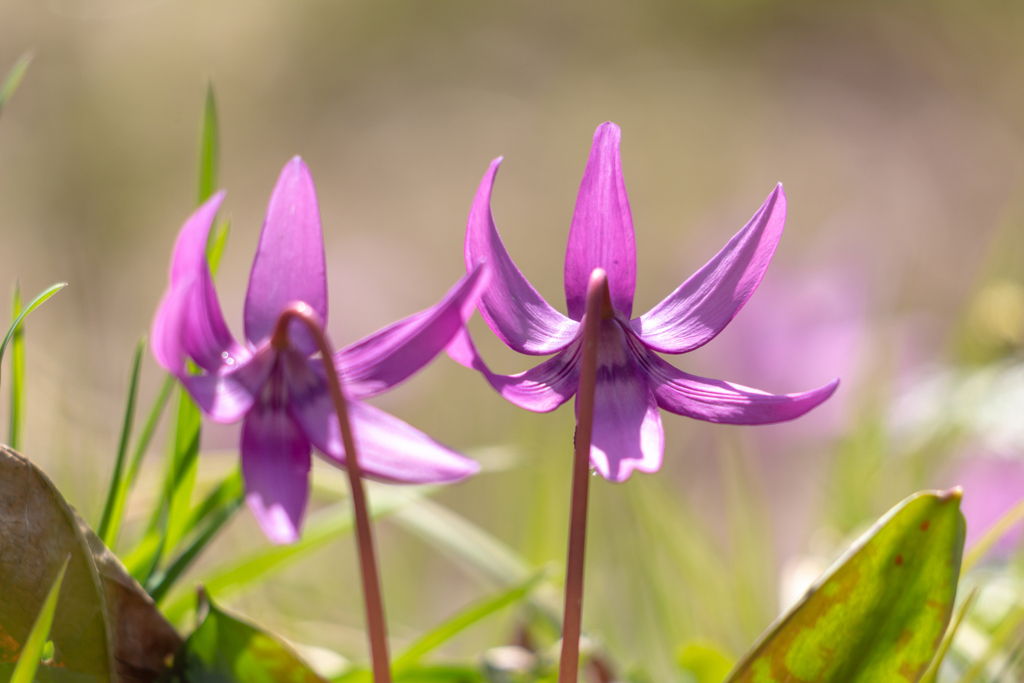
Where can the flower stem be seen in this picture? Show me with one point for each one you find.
(375, 624)
(598, 307)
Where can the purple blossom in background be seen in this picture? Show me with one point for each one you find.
(633, 382)
(992, 485)
(282, 396)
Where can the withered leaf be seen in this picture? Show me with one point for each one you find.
(106, 627)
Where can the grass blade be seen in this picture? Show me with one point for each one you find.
(1002, 526)
(322, 530)
(463, 620)
(184, 464)
(209, 148)
(28, 661)
(113, 509)
(33, 305)
(17, 373)
(13, 79)
(931, 675)
(215, 246)
(231, 494)
(152, 420)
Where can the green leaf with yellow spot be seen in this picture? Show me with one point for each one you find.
(879, 613)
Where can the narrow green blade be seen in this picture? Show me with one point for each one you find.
(33, 305)
(152, 421)
(28, 661)
(113, 509)
(216, 244)
(322, 530)
(932, 674)
(463, 620)
(209, 148)
(225, 502)
(182, 472)
(13, 79)
(17, 373)
(879, 614)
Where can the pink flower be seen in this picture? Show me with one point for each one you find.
(633, 382)
(282, 395)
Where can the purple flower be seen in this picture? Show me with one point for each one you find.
(282, 395)
(633, 382)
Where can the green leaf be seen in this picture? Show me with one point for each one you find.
(879, 613)
(113, 509)
(321, 530)
(28, 660)
(33, 305)
(704, 662)
(209, 148)
(226, 649)
(13, 79)
(102, 616)
(463, 620)
(152, 420)
(17, 373)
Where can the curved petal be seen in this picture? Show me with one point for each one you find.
(166, 332)
(205, 336)
(540, 389)
(510, 305)
(713, 400)
(189, 256)
(601, 235)
(389, 449)
(627, 432)
(391, 355)
(289, 264)
(275, 466)
(702, 306)
(226, 396)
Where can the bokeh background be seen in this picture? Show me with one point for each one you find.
(896, 128)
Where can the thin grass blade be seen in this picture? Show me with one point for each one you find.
(209, 148)
(113, 509)
(17, 373)
(33, 305)
(931, 675)
(321, 530)
(28, 661)
(231, 498)
(463, 620)
(13, 79)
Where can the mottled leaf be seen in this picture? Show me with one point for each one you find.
(225, 649)
(106, 627)
(879, 613)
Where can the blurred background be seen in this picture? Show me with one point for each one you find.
(896, 127)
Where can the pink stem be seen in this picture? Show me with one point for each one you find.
(598, 307)
(375, 623)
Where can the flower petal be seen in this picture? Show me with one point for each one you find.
(166, 332)
(275, 465)
(627, 432)
(206, 337)
(713, 400)
(601, 235)
(702, 306)
(391, 355)
(540, 389)
(189, 256)
(389, 449)
(289, 264)
(510, 305)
